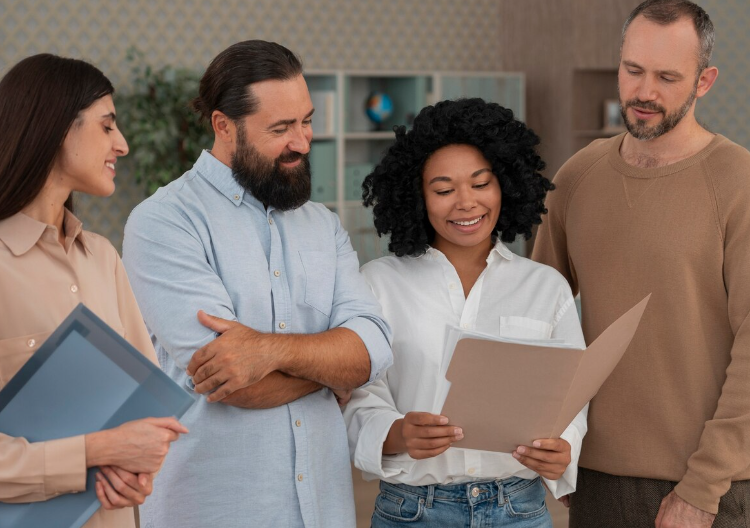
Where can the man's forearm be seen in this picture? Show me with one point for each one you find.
(336, 358)
(274, 390)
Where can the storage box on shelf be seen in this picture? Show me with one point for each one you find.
(592, 88)
(347, 145)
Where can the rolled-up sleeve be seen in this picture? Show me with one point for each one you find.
(356, 308)
(369, 417)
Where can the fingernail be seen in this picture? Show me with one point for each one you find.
(457, 431)
(537, 443)
(459, 436)
(516, 455)
(443, 420)
(521, 449)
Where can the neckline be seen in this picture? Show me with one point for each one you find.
(621, 166)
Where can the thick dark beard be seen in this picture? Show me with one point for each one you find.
(264, 178)
(639, 129)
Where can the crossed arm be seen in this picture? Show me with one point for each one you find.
(246, 368)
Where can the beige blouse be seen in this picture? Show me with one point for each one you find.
(40, 284)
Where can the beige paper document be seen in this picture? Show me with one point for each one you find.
(506, 394)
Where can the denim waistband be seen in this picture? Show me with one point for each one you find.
(469, 492)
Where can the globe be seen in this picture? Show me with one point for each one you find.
(378, 107)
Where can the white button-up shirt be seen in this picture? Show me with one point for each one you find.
(421, 296)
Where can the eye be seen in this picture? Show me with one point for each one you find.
(668, 79)
(481, 185)
(444, 192)
(108, 129)
(279, 131)
(307, 122)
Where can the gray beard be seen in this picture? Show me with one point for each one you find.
(639, 130)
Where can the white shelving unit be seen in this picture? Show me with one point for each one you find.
(351, 145)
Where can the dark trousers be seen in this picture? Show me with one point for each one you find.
(607, 501)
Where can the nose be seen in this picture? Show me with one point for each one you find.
(646, 89)
(120, 144)
(300, 140)
(465, 199)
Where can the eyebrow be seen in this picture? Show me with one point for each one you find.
(110, 115)
(287, 122)
(672, 73)
(447, 178)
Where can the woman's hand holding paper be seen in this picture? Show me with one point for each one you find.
(422, 435)
(548, 457)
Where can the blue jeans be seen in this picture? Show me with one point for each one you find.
(508, 502)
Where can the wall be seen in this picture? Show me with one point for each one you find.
(360, 34)
(548, 40)
(726, 108)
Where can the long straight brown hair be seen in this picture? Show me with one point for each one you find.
(40, 98)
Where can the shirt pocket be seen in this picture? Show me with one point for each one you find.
(320, 279)
(16, 351)
(525, 328)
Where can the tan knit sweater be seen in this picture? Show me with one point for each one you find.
(677, 407)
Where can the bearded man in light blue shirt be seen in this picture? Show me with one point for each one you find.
(253, 298)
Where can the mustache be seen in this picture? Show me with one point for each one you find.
(290, 157)
(645, 105)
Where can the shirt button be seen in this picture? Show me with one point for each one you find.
(452, 286)
(276, 273)
(300, 477)
(298, 423)
(74, 288)
(270, 220)
(465, 326)
(31, 343)
(236, 196)
(282, 325)
(472, 471)
(475, 492)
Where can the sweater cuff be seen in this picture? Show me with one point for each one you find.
(64, 466)
(697, 493)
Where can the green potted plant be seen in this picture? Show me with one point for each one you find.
(164, 135)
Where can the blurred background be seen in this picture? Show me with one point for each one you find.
(553, 61)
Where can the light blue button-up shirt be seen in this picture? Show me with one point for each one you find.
(203, 243)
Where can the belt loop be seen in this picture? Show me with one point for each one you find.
(500, 496)
(430, 495)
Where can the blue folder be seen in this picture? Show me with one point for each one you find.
(84, 378)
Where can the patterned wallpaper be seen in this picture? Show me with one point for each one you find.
(327, 34)
(726, 108)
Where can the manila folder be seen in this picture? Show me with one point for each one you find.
(504, 395)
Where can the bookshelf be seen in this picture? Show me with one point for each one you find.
(346, 145)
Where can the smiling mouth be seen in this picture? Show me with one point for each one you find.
(466, 222)
(110, 165)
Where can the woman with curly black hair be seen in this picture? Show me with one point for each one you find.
(449, 192)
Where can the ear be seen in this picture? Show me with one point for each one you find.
(706, 80)
(224, 128)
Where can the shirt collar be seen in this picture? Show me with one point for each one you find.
(21, 232)
(220, 176)
(499, 249)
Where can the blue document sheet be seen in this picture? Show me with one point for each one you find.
(84, 378)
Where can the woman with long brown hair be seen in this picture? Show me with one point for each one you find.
(58, 134)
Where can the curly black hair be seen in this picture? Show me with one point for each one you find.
(394, 187)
